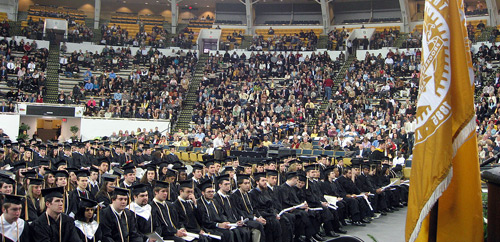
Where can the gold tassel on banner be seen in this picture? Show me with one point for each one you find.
(278, 179)
(307, 183)
(98, 208)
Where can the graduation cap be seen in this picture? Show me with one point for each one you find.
(30, 174)
(15, 199)
(109, 177)
(20, 165)
(42, 147)
(138, 188)
(61, 173)
(291, 175)
(69, 170)
(36, 181)
(67, 147)
(161, 184)
(117, 171)
(197, 167)
(44, 162)
(49, 171)
(53, 192)
(93, 169)
(61, 162)
(222, 178)
(271, 173)
(205, 184)
(311, 167)
(120, 191)
(102, 160)
(227, 169)
(170, 173)
(87, 203)
(128, 168)
(356, 162)
(208, 163)
(187, 184)
(242, 177)
(81, 145)
(240, 169)
(82, 173)
(258, 175)
(302, 177)
(150, 167)
(7, 179)
(15, 150)
(328, 169)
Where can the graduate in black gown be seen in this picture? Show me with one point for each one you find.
(106, 190)
(88, 227)
(35, 201)
(185, 206)
(165, 217)
(54, 225)
(13, 228)
(212, 220)
(263, 205)
(118, 223)
(142, 210)
(80, 191)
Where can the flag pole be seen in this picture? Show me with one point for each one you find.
(433, 222)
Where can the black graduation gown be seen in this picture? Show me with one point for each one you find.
(145, 223)
(288, 198)
(33, 210)
(263, 204)
(46, 229)
(188, 218)
(224, 205)
(111, 229)
(166, 220)
(210, 216)
(74, 199)
(105, 198)
(23, 237)
(97, 235)
(171, 158)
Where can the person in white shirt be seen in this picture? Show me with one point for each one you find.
(13, 227)
(219, 141)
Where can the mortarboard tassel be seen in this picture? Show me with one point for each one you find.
(98, 208)
(26, 209)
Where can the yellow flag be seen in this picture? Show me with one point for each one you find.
(445, 164)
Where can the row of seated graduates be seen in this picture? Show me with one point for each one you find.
(23, 66)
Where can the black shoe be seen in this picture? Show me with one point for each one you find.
(366, 221)
(383, 213)
(342, 221)
(405, 204)
(400, 205)
(318, 237)
(322, 234)
(388, 210)
(395, 209)
(332, 234)
(341, 231)
(357, 223)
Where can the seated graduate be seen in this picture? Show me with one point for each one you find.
(164, 214)
(118, 223)
(87, 226)
(142, 210)
(13, 227)
(54, 225)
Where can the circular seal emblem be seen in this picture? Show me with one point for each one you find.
(432, 108)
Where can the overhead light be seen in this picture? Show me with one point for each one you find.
(195, 3)
(208, 6)
(146, 3)
(124, 1)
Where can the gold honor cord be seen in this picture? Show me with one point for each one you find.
(60, 224)
(119, 224)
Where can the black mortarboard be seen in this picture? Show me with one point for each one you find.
(87, 203)
(151, 167)
(291, 175)
(328, 169)
(302, 177)
(70, 169)
(82, 173)
(120, 191)
(128, 168)
(227, 169)
(36, 181)
(161, 184)
(222, 177)
(43, 162)
(197, 167)
(186, 183)
(102, 160)
(109, 177)
(170, 173)
(93, 169)
(30, 174)
(20, 165)
(242, 177)
(61, 173)
(271, 173)
(15, 199)
(61, 162)
(311, 167)
(7, 179)
(205, 184)
(258, 175)
(138, 188)
(53, 192)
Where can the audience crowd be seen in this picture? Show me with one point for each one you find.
(116, 35)
(304, 41)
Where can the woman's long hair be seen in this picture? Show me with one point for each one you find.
(33, 198)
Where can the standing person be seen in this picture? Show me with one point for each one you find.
(54, 225)
(118, 223)
(87, 227)
(13, 227)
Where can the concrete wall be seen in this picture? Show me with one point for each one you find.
(95, 127)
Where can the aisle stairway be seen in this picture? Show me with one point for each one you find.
(187, 105)
(52, 74)
(336, 84)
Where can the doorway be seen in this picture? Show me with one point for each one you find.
(48, 129)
